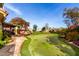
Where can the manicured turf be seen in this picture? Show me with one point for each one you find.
(47, 45)
(25, 50)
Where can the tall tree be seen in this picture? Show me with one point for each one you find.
(46, 26)
(67, 22)
(35, 27)
(43, 29)
(72, 14)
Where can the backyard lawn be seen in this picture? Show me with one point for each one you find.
(46, 44)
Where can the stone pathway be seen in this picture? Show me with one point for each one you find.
(13, 48)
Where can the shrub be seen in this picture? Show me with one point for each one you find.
(71, 36)
(76, 42)
(4, 39)
(2, 43)
(1, 36)
(7, 39)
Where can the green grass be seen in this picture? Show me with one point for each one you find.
(76, 50)
(24, 50)
(46, 44)
(74, 47)
(1, 42)
(63, 47)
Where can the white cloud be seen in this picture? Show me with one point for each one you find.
(12, 8)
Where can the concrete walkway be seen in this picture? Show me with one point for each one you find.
(5, 50)
(18, 44)
(13, 48)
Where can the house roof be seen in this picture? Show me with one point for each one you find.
(19, 21)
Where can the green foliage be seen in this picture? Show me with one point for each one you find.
(4, 39)
(1, 36)
(35, 28)
(46, 27)
(72, 16)
(7, 39)
(2, 43)
(71, 13)
(7, 33)
(43, 29)
(72, 35)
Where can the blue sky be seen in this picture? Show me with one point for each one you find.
(39, 13)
